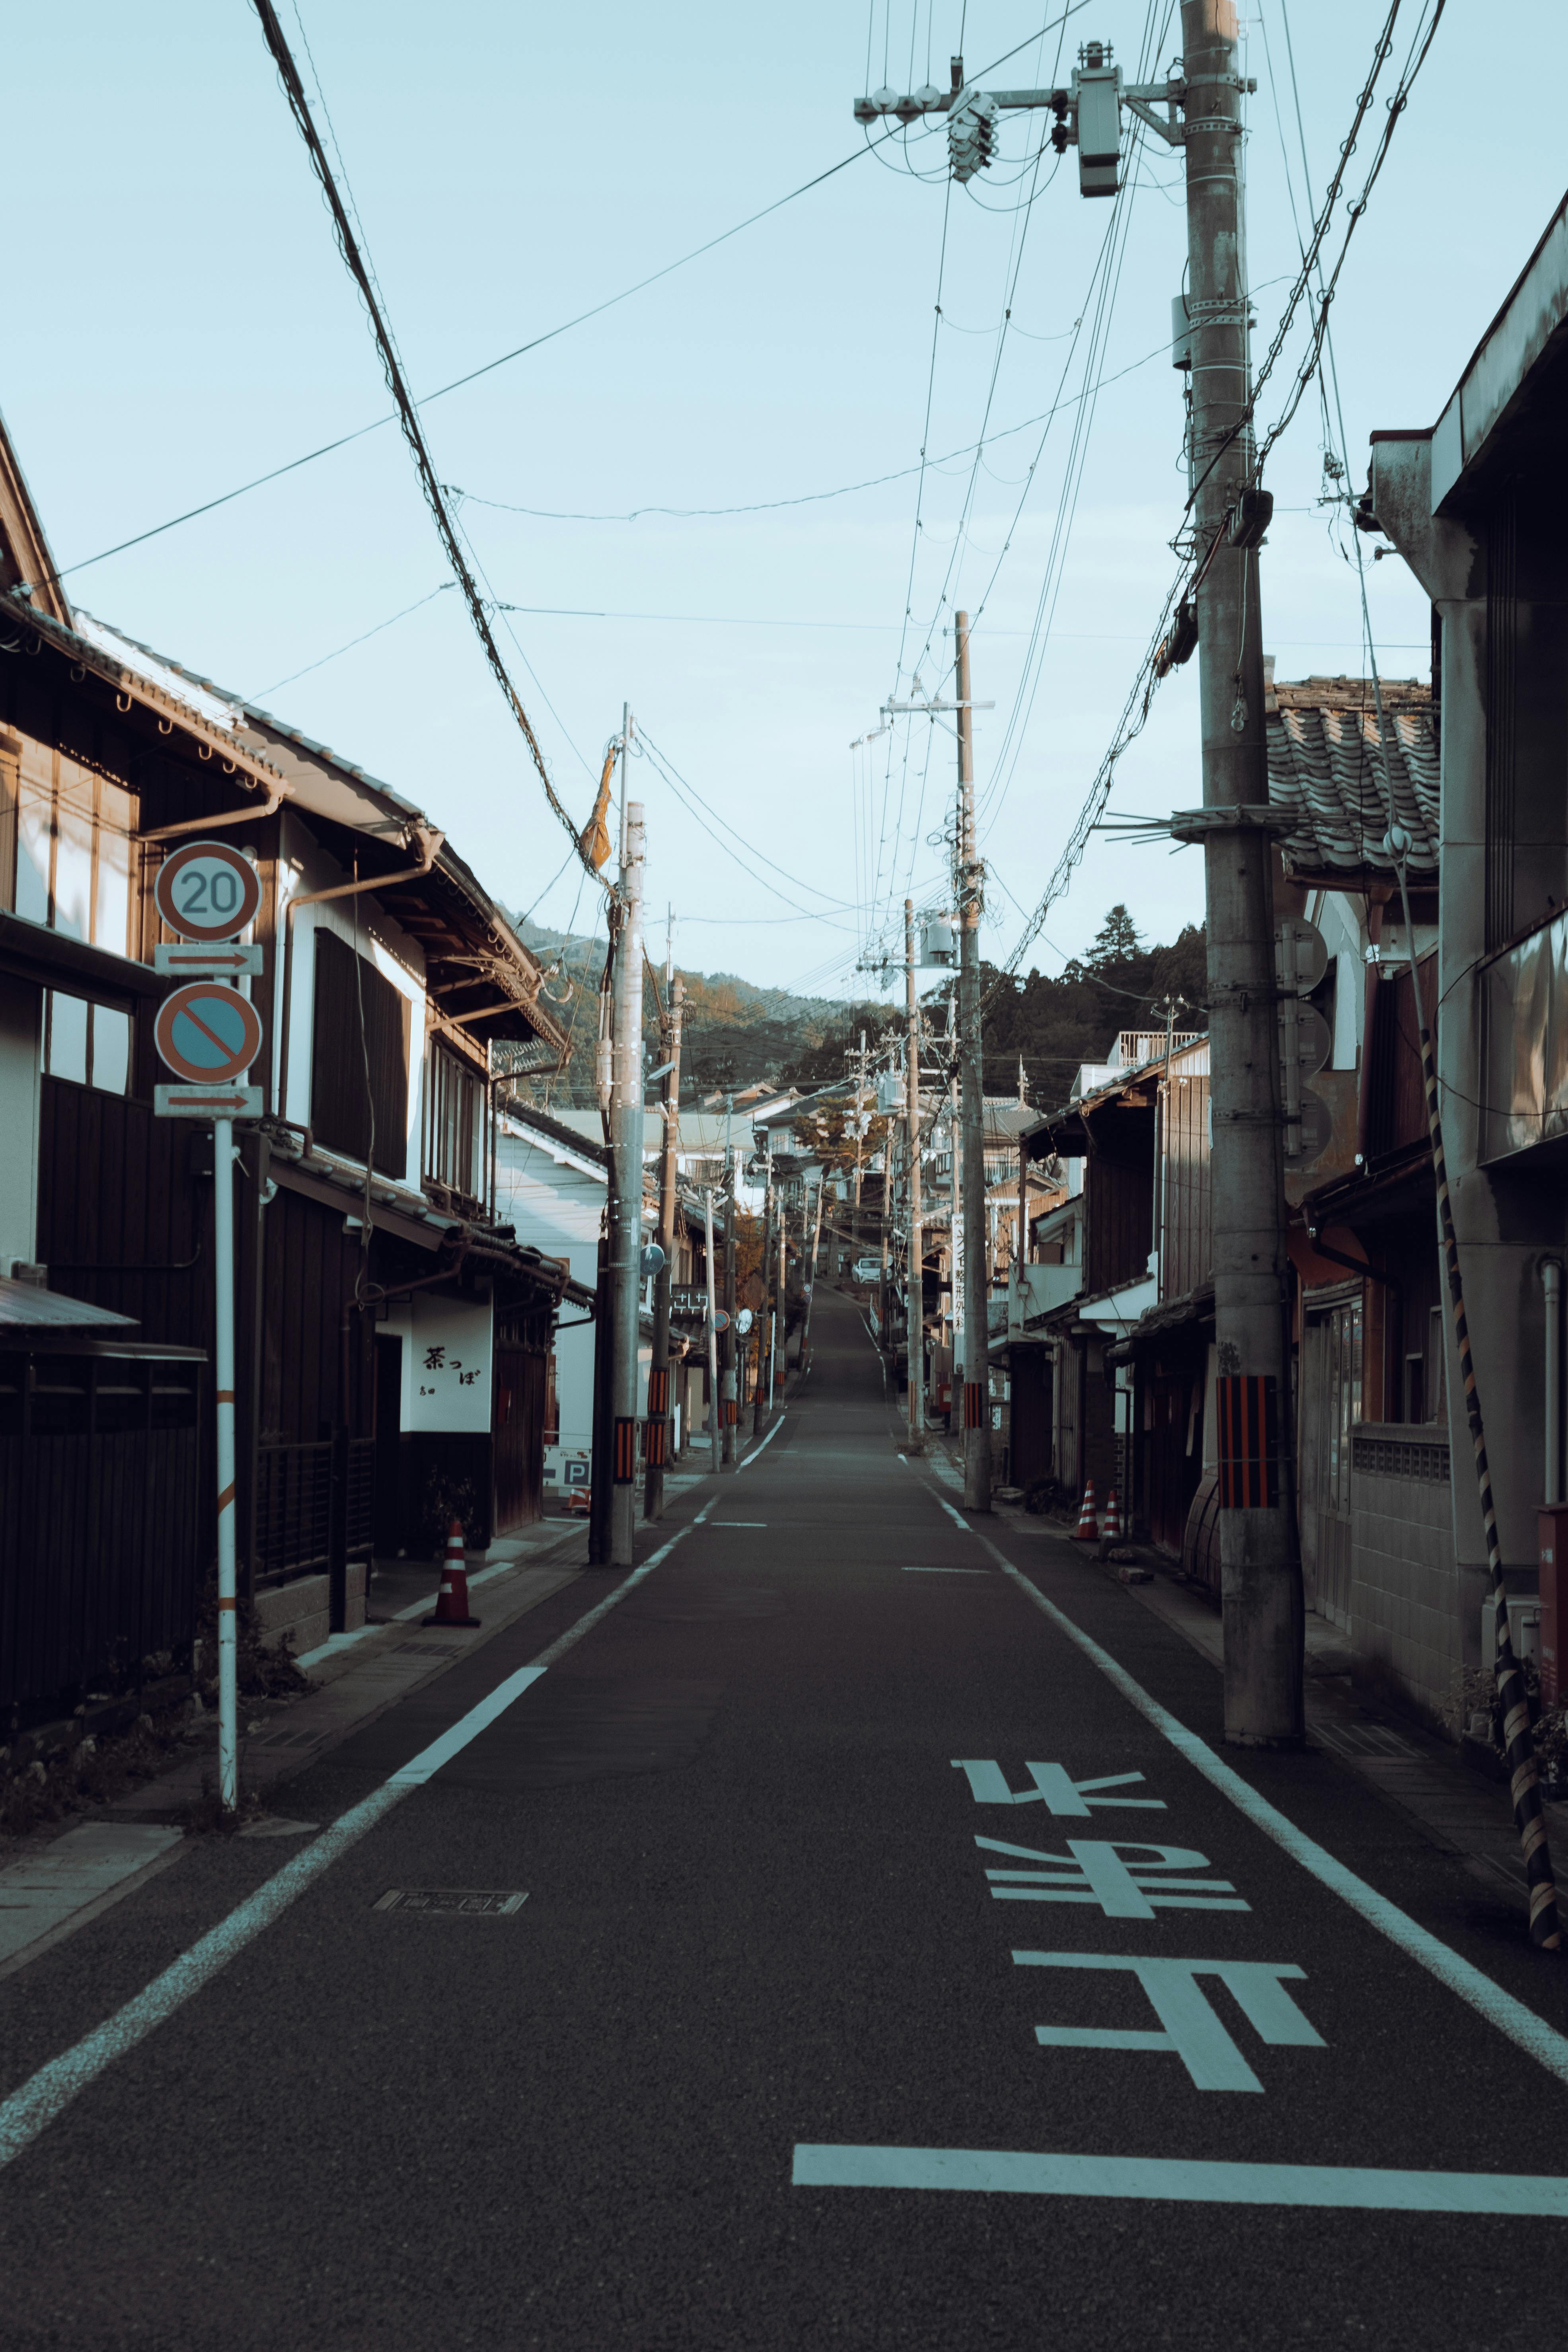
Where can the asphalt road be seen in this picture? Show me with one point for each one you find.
(762, 1983)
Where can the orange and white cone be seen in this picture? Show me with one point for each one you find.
(1088, 1527)
(1112, 1529)
(452, 1601)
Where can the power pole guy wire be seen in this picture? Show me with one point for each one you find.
(408, 412)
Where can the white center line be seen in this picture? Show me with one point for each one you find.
(29, 2110)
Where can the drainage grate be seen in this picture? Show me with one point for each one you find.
(427, 1650)
(452, 1902)
(288, 1739)
(1362, 1739)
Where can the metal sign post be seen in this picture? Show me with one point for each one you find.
(209, 1034)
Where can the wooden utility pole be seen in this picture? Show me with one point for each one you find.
(626, 1139)
(916, 1438)
(659, 1419)
(971, 877)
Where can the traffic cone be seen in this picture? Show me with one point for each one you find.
(1088, 1529)
(452, 1601)
(1112, 1529)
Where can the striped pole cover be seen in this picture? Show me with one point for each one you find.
(1524, 1780)
(624, 1460)
(1248, 1461)
(974, 1404)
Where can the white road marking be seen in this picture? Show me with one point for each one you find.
(30, 2109)
(739, 1523)
(1179, 2180)
(951, 1513)
(767, 1441)
(1523, 2027)
(947, 1572)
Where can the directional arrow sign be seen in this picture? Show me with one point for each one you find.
(207, 891)
(208, 1033)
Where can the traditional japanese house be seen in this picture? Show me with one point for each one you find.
(392, 1336)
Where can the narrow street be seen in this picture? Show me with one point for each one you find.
(792, 2003)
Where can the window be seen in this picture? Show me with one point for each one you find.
(358, 1059)
(1341, 1360)
(89, 1043)
(64, 845)
(455, 1124)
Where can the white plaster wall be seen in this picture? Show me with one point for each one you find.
(383, 942)
(557, 1205)
(20, 1007)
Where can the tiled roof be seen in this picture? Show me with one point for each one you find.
(1326, 768)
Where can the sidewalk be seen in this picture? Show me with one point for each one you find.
(69, 1877)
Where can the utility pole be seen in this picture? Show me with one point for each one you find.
(916, 1439)
(714, 1441)
(1260, 1573)
(659, 1414)
(759, 1407)
(972, 1103)
(1260, 1568)
(729, 1412)
(626, 1141)
(860, 1145)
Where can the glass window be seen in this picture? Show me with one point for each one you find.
(112, 903)
(72, 894)
(111, 1050)
(66, 1056)
(35, 839)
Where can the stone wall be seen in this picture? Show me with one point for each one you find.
(1405, 1599)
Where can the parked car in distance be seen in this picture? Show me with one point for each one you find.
(868, 1269)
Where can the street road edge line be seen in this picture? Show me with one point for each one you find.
(31, 2108)
(1179, 2180)
(768, 1440)
(1529, 2032)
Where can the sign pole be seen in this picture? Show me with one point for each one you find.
(227, 1629)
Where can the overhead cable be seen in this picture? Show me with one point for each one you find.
(407, 414)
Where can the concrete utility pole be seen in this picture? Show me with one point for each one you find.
(972, 1098)
(758, 1402)
(730, 1407)
(1260, 1568)
(626, 1141)
(659, 1419)
(713, 1438)
(916, 1440)
(1260, 1565)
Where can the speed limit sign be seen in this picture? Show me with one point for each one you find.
(207, 891)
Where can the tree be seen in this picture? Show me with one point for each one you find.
(827, 1133)
(1056, 1024)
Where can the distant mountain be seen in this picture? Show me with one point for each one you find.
(734, 1033)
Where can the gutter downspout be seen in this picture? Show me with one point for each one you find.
(277, 793)
(429, 841)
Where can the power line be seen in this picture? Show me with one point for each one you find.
(504, 359)
(407, 414)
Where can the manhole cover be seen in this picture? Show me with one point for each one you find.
(453, 1902)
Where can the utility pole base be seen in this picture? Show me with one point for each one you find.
(1261, 1607)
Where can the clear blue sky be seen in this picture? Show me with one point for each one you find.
(178, 320)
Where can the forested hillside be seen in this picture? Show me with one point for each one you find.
(736, 1034)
